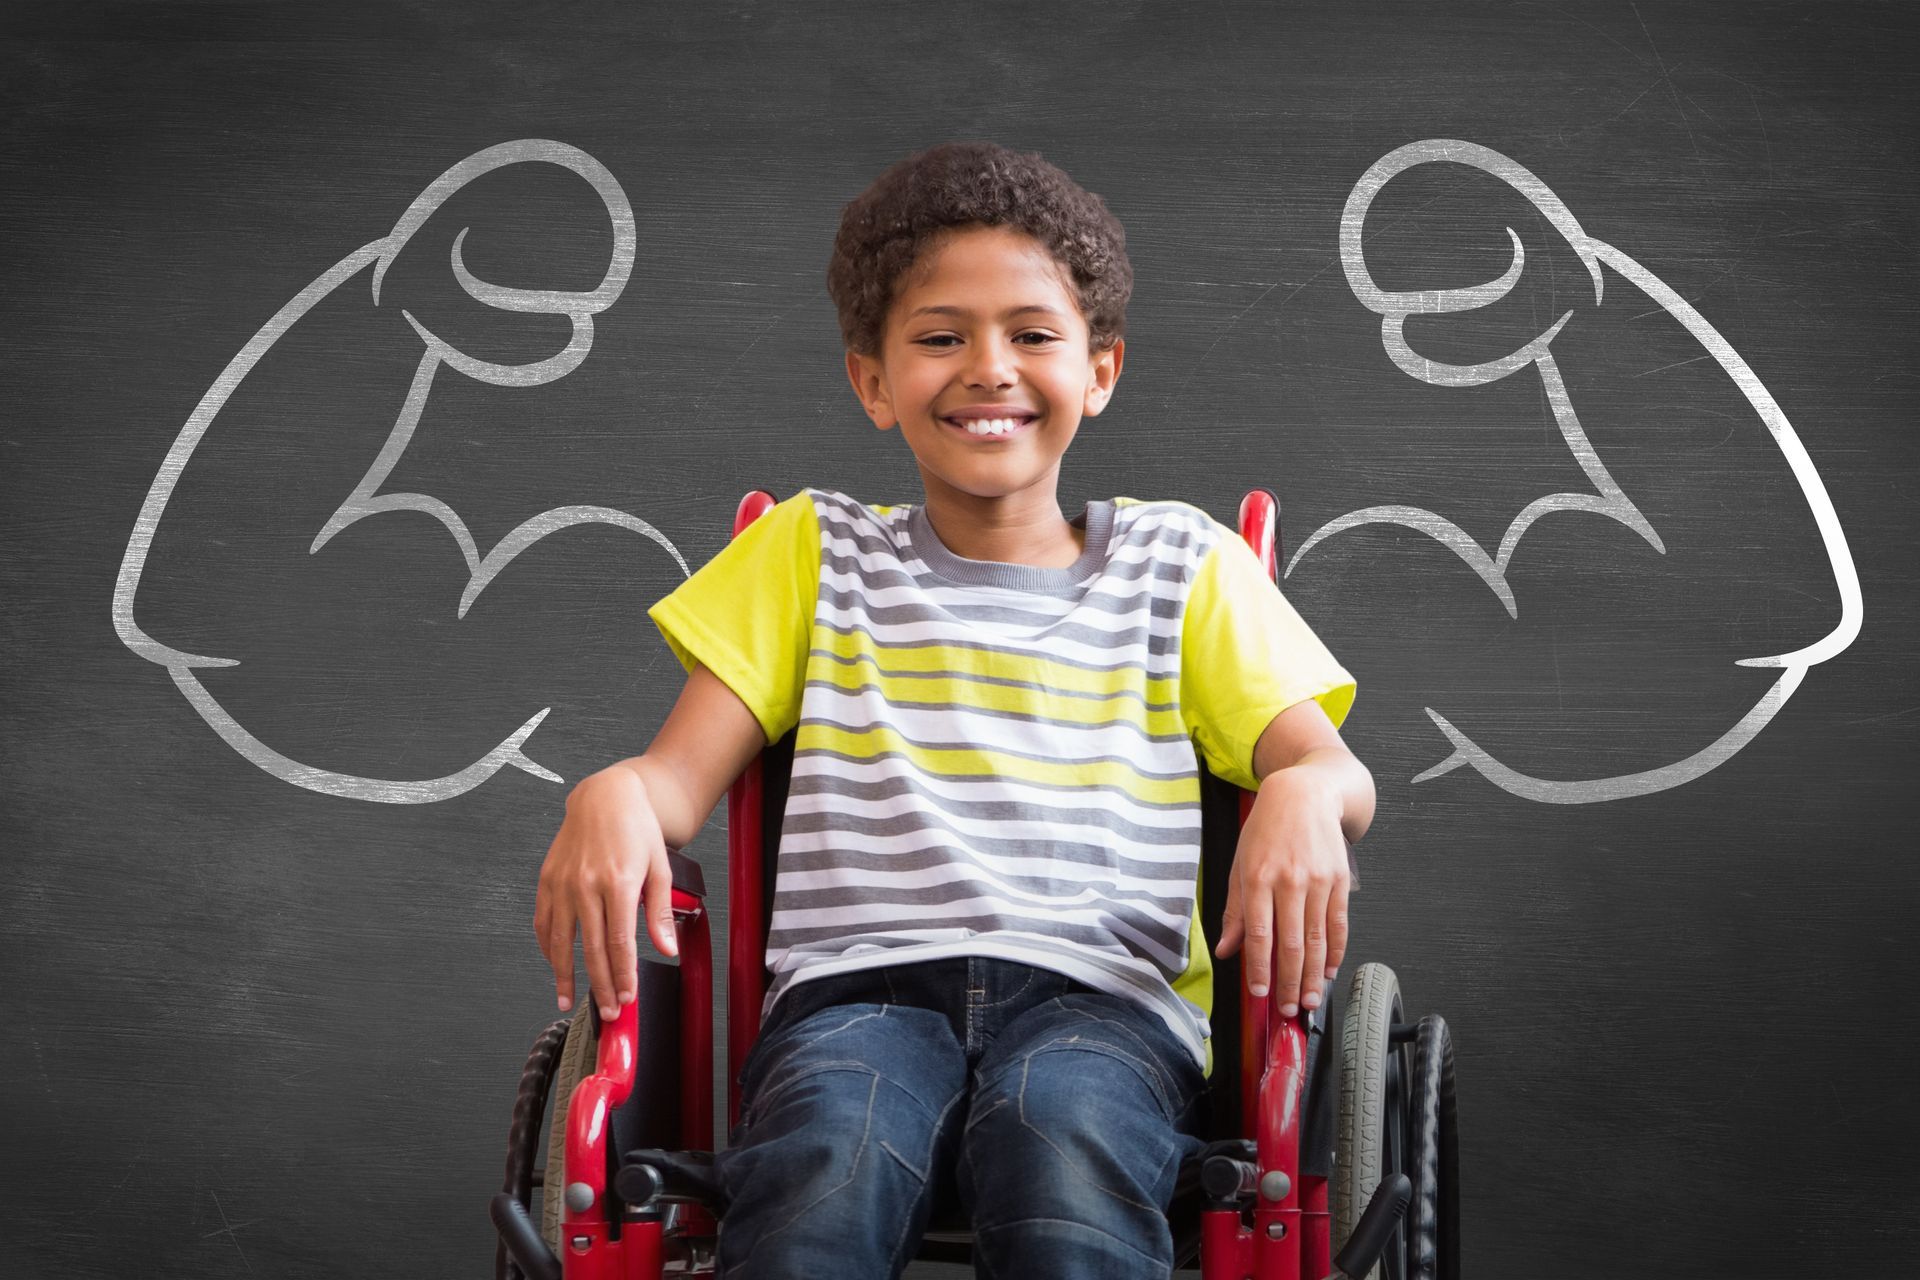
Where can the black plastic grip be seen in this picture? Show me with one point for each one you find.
(1376, 1224)
(1226, 1180)
(522, 1238)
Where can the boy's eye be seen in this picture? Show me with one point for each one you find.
(948, 337)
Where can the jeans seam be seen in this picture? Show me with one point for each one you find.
(1026, 1065)
(859, 1152)
(1027, 983)
(1149, 1071)
(926, 1181)
(796, 1044)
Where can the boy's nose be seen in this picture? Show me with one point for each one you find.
(992, 365)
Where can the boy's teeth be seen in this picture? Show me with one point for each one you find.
(990, 426)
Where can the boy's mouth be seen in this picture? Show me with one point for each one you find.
(990, 429)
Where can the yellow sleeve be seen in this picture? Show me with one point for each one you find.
(1246, 656)
(747, 614)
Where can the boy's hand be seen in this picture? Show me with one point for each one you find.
(1289, 875)
(608, 846)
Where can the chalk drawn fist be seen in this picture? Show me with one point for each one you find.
(441, 360)
(1532, 356)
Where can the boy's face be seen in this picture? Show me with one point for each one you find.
(959, 339)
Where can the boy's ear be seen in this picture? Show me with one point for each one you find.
(1106, 372)
(864, 373)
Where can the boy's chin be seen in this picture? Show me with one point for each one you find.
(988, 483)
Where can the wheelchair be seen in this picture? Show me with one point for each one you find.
(1309, 1148)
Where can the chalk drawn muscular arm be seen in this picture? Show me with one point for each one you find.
(1607, 498)
(366, 499)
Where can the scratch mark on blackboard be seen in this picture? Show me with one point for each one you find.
(1675, 365)
(366, 499)
(1608, 498)
(230, 1230)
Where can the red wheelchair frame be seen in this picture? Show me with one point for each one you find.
(1261, 1191)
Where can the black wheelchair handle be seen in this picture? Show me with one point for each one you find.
(1370, 1234)
(522, 1239)
(1227, 1180)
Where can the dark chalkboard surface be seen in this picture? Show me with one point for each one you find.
(1574, 337)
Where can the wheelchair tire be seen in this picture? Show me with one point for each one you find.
(1433, 1216)
(578, 1057)
(529, 1108)
(1372, 1139)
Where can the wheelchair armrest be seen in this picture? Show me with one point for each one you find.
(687, 875)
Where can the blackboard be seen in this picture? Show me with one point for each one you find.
(269, 971)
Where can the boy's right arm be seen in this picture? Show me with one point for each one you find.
(612, 847)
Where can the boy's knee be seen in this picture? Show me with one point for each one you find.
(1074, 1132)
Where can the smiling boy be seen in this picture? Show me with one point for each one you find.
(989, 976)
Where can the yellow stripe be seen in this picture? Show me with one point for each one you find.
(1043, 704)
(916, 663)
(863, 744)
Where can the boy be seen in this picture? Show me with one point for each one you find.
(989, 978)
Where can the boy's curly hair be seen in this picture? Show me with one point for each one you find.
(954, 184)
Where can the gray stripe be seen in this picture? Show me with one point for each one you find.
(899, 615)
(1181, 873)
(907, 824)
(882, 893)
(1003, 809)
(967, 646)
(974, 678)
(1021, 717)
(828, 753)
(868, 539)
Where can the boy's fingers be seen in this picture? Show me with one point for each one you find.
(1337, 925)
(1313, 964)
(1229, 920)
(557, 944)
(622, 907)
(593, 944)
(1256, 951)
(1290, 909)
(660, 907)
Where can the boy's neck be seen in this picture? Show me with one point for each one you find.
(1007, 530)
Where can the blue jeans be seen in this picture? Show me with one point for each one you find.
(1054, 1115)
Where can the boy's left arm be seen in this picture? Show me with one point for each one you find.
(1290, 870)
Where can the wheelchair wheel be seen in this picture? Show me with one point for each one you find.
(1372, 1140)
(577, 1060)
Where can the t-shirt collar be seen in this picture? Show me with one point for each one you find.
(1096, 519)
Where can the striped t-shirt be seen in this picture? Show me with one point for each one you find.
(1000, 759)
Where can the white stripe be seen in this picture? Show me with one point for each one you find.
(921, 840)
(1058, 804)
(1041, 829)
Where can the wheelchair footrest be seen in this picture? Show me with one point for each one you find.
(648, 1174)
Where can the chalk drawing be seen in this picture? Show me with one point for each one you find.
(366, 498)
(1607, 499)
